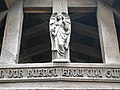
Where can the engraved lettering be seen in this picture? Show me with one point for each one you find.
(29, 73)
(114, 73)
(42, 73)
(10, 74)
(94, 73)
(50, 72)
(80, 73)
(2, 74)
(72, 73)
(100, 72)
(64, 72)
(35, 72)
(15, 73)
(89, 73)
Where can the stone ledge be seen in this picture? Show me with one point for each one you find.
(77, 72)
(60, 86)
(29, 65)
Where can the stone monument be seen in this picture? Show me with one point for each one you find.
(60, 31)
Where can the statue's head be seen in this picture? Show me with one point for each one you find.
(59, 17)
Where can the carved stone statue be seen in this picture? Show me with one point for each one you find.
(60, 31)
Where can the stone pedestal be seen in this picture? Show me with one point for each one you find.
(61, 61)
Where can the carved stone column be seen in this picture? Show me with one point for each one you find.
(60, 6)
(60, 31)
(12, 34)
(107, 33)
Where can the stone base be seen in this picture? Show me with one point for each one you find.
(61, 61)
(60, 86)
(60, 76)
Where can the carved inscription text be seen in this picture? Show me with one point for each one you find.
(59, 73)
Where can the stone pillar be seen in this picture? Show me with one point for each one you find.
(60, 6)
(12, 34)
(107, 34)
(59, 20)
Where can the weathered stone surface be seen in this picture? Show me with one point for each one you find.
(60, 75)
(12, 34)
(107, 33)
(10, 3)
(71, 3)
(60, 31)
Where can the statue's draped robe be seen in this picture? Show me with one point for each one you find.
(60, 36)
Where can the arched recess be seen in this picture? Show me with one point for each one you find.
(84, 45)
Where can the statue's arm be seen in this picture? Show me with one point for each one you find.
(68, 33)
(68, 27)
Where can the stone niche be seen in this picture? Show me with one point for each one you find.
(60, 76)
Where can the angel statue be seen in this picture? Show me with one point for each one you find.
(60, 31)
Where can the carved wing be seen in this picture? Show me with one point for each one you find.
(51, 26)
(68, 23)
(52, 21)
(66, 17)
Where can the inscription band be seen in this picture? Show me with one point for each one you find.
(60, 73)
